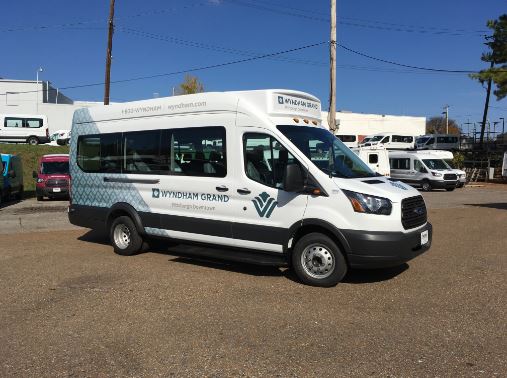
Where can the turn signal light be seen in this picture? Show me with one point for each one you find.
(306, 121)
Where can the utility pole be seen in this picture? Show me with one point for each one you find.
(109, 53)
(446, 119)
(332, 85)
(486, 107)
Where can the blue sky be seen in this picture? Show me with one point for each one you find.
(156, 37)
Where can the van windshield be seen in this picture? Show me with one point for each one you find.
(326, 151)
(435, 164)
(422, 140)
(55, 167)
(376, 138)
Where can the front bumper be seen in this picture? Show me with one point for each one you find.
(49, 192)
(374, 249)
(443, 184)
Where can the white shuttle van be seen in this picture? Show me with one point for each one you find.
(422, 169)
(390, 141)
(437, 142)
(254, 173)
(25, 128)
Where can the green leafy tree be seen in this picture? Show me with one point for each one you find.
(496, 56)
(190, 85)
(436, 125)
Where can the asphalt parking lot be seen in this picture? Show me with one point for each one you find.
(71, 307)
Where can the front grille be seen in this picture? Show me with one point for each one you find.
(57, 183)
(413, 212)
(450, 176)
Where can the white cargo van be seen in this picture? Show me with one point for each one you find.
(376, 158)
(254, 173)
(422, 169)
(25, 128)
(391, 141)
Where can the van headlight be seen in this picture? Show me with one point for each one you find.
(364, 203)
(39, 180)
(436, 174)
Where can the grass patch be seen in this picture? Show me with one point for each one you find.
(30, 156)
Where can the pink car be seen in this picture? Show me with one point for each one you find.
(52, 177)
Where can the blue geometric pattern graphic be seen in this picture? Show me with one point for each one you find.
(89, 188)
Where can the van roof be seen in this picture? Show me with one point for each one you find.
(273, 102)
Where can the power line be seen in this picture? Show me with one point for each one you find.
(355, 22)
(187, 70)
(228, 50)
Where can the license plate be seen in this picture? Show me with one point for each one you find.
(424, 237)
(56, 190)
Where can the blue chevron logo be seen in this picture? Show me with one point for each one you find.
(264, 204)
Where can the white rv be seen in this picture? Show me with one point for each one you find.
(377, 158)
(252, 172)
(24, 128)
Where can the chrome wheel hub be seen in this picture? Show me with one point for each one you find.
(121, 235)
(317, 261)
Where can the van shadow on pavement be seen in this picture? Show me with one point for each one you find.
(498, 205)
(199, 256)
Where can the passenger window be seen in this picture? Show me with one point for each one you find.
(142, 152)
(265, 159)
(33, 122)
(403, 164)
(99, 153)
(196, 151)
(385, 140)
(373, 158)
(13, 122)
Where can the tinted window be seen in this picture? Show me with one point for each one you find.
(199, 151)
(99, 153)
(373, 158)
(33, 122)
(403, 138)
(397, 163)
(55, 167)
(13, 122)
(142, 152)
(347, 138)
(265, 159)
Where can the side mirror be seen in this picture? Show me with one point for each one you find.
(293, 180)
(34, 174)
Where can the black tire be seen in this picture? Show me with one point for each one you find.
(19, 194)
(450, 189)
(33, 141)
(426, 186)
(40, 198)
(124, 237)
(324, 255)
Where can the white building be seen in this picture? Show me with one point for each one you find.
(361, 125)
(32, 97)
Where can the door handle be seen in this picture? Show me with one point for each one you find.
(222, 188)
(244, 191)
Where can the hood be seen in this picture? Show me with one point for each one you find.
(378, 186)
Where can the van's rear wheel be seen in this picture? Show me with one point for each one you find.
(426, 186)
(318, 261)
(124, 237)
(33, 141)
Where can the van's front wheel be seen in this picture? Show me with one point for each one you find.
(124, 237)
(426, 186)
(318, 261)
(33, 141)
